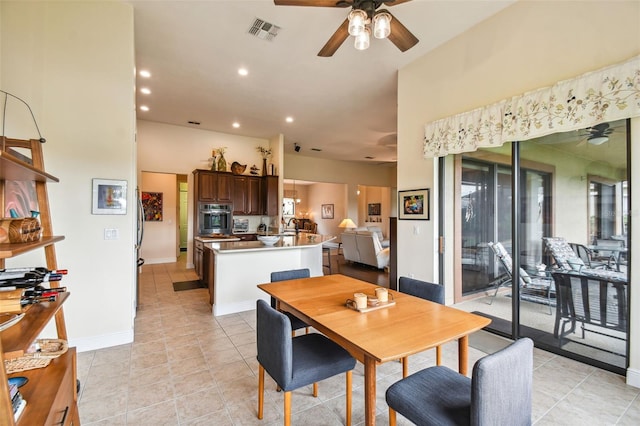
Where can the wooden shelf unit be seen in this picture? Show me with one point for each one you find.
(51, 392)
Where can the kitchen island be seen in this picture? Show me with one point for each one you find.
(236, 268)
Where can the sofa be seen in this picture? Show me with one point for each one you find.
(364, 247)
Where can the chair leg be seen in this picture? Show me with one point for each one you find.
(287, 408)
(348, 392)
(438, 355)
(405, 366)
(315, 389)
(392, 417)
(307, 330)
(260, 391)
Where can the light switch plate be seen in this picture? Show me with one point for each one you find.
(110, 234)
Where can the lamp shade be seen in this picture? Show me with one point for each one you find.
(382, 25)
(362, 40)
(347, 223)
(357, 19)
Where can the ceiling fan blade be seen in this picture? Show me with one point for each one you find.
(395, 2)
(336, 40)
(401, 36)
(315, 3)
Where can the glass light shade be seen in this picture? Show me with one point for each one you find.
(599, 140)
(362, 40)
(382, 25)
(357, 19)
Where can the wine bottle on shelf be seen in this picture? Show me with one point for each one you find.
(39, 291)
(33, 300)
(29, 280)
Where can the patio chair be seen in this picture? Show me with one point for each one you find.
(564, 257)
(587, 256)
(528, 284)
(597, 298)
(498, 393)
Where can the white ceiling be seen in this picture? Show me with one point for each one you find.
(344, 105)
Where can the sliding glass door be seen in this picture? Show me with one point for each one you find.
(572, 208)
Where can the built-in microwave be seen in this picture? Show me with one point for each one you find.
(214, 218)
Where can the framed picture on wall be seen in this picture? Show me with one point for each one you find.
(327, 211)
(152, 204)
(413, 204)
(373, 209)
(109, 196)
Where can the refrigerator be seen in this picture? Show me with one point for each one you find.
(139, 237)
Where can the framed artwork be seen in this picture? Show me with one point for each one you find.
(109, 196)
(413, 204)
(327, 211)
(288, 207)
(374, 209)
(152, 205)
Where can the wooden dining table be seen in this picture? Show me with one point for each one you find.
(408, 326)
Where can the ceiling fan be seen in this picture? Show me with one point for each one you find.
(598, 134)
(363, 19)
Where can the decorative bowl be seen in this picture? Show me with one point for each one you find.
(269, 240)
(237, 168)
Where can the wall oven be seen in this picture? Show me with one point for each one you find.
(214, 218)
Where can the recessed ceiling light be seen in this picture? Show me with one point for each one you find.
(235, 124)
(243, 71)
(144, 108)
(289, 119)
(145, 90)
(145, 73)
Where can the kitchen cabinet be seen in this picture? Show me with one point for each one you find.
(198, 259)
(250, 195)
(51, 391)
(213, 186)
(246, 195)
(270, 196)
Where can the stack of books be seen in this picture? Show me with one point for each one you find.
(17, 401)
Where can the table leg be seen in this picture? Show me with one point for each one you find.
(463, 354)
(369, 391)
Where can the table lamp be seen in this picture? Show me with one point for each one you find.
(347, 223)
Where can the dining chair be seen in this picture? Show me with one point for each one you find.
(498, 393)
(291, 274)
(424, 290)
(294, 362)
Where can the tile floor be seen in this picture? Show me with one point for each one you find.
(187, 367)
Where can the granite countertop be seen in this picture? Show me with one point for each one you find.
(285, 242)
(216, 238)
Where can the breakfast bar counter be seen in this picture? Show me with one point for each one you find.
(236, 268)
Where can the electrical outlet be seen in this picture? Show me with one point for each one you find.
(110, 234)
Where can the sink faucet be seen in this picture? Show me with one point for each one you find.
(295, 223)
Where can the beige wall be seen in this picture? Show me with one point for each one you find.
(529, 45)
(73, 62)
(160, 243)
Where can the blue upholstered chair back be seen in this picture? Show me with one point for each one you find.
(275, 351)
(291, 274)
(501, 386)
(422, 289)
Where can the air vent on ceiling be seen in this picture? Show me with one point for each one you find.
(197, 123)
(369, 157)
(316, 149)
(264, 30)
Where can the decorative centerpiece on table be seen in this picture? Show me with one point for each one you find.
(266, 153)
(222, 163)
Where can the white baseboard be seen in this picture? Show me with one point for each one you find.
(160, 260)
(633, 377)
(101, 342)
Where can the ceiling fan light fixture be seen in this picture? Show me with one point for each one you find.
(362, 40)
(382, 24)
(357, 20)
(598, 140)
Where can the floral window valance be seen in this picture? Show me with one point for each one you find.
(609, 94)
